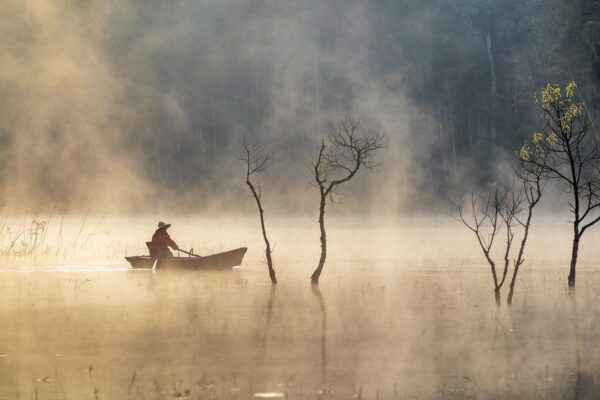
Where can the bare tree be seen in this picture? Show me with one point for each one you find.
(502, 209)
(257, 161)
(484, 219)
(532, 179)
(509, 212)
(347, 148)
(565, 150)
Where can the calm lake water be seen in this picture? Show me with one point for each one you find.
(401, 313)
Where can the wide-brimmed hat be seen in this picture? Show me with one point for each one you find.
(162, 225)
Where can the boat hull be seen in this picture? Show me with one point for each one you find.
(219, 261)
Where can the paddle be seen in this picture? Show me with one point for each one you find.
(189, 253)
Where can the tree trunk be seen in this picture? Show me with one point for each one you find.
(470, 126)
(264, 232)
(223, 100)
(442, 142)
(497, 297)
(267, 247)
(452, 132)
(478, 131)
(494, 85)
(511, 292)
(213, 131)
(317, 94)
(520, 259)
(515, 100)
(314, 279)
(576, 238)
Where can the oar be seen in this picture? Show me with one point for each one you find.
(189, 253)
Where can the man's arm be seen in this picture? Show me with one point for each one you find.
(172, 244)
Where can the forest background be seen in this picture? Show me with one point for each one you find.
(135, 105)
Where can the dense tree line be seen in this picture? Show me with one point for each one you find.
(470, 66)
(474, 65)
(170, 87)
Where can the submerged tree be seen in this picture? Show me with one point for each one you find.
(565, 150)
(532, 182)
(502, 209)
(347, 148)
(484, 219)
(257, 161)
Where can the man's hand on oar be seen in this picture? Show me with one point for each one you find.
(189, 253)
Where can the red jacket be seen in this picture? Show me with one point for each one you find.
(161, 241)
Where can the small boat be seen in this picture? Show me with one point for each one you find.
(225, 260)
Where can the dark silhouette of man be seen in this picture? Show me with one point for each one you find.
(161, 241)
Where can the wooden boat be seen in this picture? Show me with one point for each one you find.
(225, 260)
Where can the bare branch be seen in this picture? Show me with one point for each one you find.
(256, 162)
(346, 150)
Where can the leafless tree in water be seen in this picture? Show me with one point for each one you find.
(484, 218)
(347, 149)
(501, 210)
(532, 179)
(257, 161)
(567, 151)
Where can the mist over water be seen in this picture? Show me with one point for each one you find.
(405, 310)
(104, 240)
(117, 114)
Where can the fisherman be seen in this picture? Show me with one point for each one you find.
(161, 241)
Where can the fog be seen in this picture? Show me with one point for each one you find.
(117, 114)
(140, 105)
(129, 106)
(405, 309)
(403, 312)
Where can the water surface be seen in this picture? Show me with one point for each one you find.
(382, 324)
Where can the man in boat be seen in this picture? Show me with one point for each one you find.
(161, 241)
